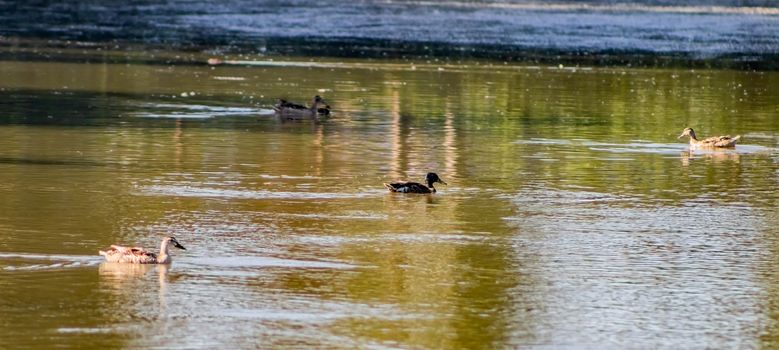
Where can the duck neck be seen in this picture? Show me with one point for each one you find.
(692, 136)
(164, 256)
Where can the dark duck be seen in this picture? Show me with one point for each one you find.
(415, 187)
(318, 107)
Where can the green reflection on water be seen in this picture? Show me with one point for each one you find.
(95, 154)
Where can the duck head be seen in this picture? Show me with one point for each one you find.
(172, 240)
(319, 101)
(687, 132)
(432, 178)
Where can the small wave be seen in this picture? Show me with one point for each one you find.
(253, 261)
(189, 111)
(229, 78)
(655, 148)
(374, 66)
(644, 147)
(328, 312)
(740, 149)
(30, 261)
(672, 148)
(81, 258)
(84, 330)
(625, 7)
(433, 238)
(452, 238)
(189, 191)
(760, 135)
(304, 177)
(542, 141)
(361, 216)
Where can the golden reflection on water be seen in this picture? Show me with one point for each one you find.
(450, 142)
(396, 163)
(713, 155)
(129, 282)
(572, 213)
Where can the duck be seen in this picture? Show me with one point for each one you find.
(318, 107)
(136, 255)
(415, 187)
(711, 142)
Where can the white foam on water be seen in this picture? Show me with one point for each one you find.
(32, 261)
(210, 192)
(83, 330)
(229, 78)
(356, 216)
(193, 111)
(645, 147)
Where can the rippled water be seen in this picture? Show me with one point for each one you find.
(573, 217)
(725, 33)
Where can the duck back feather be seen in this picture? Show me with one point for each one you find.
(408, 187)
(129, 255)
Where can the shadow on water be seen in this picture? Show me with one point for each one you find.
(28, 161)
(90, 108)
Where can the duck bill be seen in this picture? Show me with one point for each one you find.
(680, 136)
(179, 246)
(442, 181)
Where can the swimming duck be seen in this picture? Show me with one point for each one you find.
(415, 187)
(711, 142)
(135, 255)
(318, 106)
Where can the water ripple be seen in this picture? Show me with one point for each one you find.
(659, 271)
(190, 111)
(25, 261)
(210, 192)
(257, 261)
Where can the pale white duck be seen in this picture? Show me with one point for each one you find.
(136, 255)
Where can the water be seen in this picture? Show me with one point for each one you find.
(724, 33)
(573, 217)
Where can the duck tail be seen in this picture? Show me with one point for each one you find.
(737, 138)
(390, 187)
(103, 253)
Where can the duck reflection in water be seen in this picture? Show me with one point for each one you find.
(130, 282)
(124, 272)
(717, 156)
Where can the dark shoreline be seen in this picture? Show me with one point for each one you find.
(640, 33)
(120, 52)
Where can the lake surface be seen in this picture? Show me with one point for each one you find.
(572, 218)
(721, 33)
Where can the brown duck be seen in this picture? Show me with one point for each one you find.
(711, 142)
(136, 255)
(318, 107)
